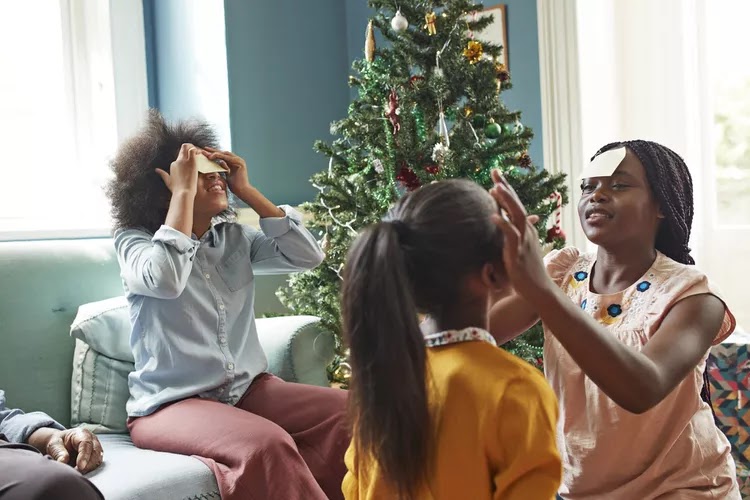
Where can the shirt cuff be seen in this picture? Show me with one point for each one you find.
(18, 427)
(174, 238)
(273, 227)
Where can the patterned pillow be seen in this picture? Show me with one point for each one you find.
(102, 361)
(99, 391)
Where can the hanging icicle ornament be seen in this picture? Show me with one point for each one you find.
(556, 232)
(429, 23)
(443, 127)
(399, 23)
(438, 70)
(439, 152)
(369, 43)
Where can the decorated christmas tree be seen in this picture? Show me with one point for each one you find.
(429, 108)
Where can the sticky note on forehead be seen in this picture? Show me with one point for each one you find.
(206, 166)
(605, 164)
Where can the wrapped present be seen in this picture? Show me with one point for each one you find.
(729, 377)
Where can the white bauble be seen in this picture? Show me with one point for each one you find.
(399, 23)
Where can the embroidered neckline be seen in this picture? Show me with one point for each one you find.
(642, 284)
(456, 336)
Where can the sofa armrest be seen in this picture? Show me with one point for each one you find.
(297, 348)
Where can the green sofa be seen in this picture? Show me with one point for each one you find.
(42, 286)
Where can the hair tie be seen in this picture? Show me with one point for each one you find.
(402, 229)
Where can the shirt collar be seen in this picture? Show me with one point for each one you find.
(455, 336)
(211, 237)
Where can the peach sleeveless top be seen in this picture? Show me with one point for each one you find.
(673, 451)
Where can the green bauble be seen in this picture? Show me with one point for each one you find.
(509, 129)
(512, 128)
(492, 131)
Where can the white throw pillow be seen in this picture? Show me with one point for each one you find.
(105, 326)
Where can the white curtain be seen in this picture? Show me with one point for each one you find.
(561, 106)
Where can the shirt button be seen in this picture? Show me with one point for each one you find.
(223, 341)
(208, 276)
(230, 366)
(221, 306)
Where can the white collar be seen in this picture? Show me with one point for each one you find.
(456, 336)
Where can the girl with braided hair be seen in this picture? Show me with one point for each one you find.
(627, 331)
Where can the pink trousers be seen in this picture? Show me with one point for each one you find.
(282, 440)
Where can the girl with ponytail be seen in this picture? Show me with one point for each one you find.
(438, 410)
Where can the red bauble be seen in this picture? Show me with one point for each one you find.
(408, 178)
(432, 169)
(555, 233)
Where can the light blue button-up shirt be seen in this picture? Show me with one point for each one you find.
(17, 426)
(192, 305)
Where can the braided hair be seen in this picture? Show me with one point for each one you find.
(672, 185)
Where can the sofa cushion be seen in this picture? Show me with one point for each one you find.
(130, 473)
(105, 326)
(296, 348)
(99, 390)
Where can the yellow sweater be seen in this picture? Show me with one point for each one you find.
(496, 419)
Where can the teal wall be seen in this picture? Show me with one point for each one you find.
(288, 62)
(523, 52)
(287, 82)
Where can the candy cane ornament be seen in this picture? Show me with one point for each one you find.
(556, 232)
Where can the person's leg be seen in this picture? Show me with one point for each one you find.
(250, 456)
(314, 416)
(28, 475)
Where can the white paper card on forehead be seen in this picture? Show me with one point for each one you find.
(605, 164)
(206, 166)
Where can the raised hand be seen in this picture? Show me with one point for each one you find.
(522, 254)
(183, 172)
(237, 178)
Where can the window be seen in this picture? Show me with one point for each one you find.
(65, 102)
(727, 42)
(674, 71)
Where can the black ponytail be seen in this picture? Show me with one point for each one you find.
(387, 349)
(413, 262)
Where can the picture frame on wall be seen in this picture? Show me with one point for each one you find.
(497, 32)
